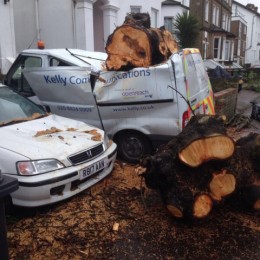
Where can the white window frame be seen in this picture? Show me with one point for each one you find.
(206, 11)
(240, 30)
(217, 16)
(214, 15)
(218, 48)
(224, 17)
(169, 25)
(238, 47)
(245, 28)
(228, 23)
(135, 8)
(227, 48)
(154, 17)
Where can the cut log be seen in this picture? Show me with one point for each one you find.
(207, 148)
(203, 139)
(135, 44)
(184, 203)
(169, 41)
(222, 184)
(203, 164)
(128, 47)
(202, 206)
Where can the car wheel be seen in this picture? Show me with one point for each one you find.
(131, 146)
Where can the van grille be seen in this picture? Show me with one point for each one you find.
(86, 155)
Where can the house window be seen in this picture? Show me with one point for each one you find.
(239, 48)
(206, 11)
(223, 21)
(214, 14)
(227, 50)
(217, 16)
(244, 30)
(154, 18)
(239, 30)
(216, 48)
(168, 23)
(228, 24)
(135, 9)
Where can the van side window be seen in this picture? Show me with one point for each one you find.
(54, 62)
(15, 78)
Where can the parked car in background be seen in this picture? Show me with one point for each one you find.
(52, 157)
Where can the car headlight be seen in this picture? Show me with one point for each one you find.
(38, 167)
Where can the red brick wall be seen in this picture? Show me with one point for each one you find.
(226, 102)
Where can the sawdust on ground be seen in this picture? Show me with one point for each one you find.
(119, 218)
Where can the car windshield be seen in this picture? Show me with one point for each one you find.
(14, 108)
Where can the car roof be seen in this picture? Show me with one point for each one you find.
(83, 57)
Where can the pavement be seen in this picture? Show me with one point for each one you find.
(244, 107)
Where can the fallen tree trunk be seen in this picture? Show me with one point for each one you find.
(190, 183)
(203, 139)
(183, 202)
(135, 44)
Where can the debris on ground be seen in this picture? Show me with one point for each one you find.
(83, 226)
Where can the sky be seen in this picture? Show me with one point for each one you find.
(245, 2)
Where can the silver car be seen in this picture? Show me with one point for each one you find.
(52, 157)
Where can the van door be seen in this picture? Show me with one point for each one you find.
(66, 91)
(199, 91)
(15, 78)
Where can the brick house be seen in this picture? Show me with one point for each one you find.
(215, 40)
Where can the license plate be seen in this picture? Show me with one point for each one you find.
(88, 171)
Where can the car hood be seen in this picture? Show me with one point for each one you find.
(49, 137)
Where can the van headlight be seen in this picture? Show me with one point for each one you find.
(38, 167)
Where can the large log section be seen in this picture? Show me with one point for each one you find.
(201, 166)
(136, 44)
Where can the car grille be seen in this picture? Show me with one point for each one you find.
(86, 155)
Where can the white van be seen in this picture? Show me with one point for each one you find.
(139, 109)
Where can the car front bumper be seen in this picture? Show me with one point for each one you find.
(48, 188)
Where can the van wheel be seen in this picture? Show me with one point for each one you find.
(131, 146)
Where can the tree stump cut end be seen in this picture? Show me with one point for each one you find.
(174, 211)
(202, 206)
(128, 47)
(222, 184)
(216, 147)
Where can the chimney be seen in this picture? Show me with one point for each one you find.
(252, 7)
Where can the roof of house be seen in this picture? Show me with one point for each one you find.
(247, 7)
